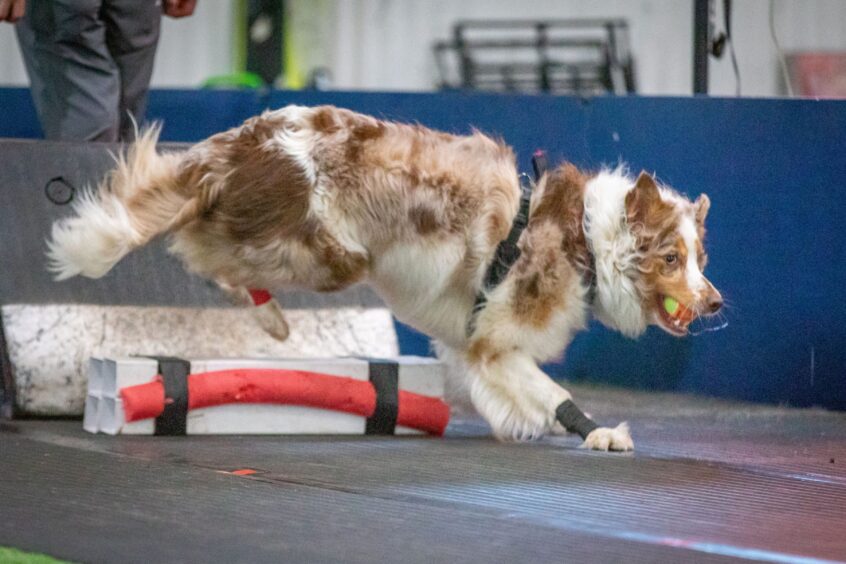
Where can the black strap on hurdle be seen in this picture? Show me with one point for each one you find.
(384, 375)
(569, 415)
(174, 372)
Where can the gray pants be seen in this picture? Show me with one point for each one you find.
(89, 64)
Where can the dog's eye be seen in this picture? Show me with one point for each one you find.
(671, 259)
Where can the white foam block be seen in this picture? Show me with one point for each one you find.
(114, 374)
(91, 417)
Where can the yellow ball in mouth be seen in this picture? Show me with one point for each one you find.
(671, 305)
(677, 312)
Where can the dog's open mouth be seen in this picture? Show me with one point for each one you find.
(675, 316)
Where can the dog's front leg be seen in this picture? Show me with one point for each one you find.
(521, 402)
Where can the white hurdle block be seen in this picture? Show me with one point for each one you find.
(103, 405)
(104, 410)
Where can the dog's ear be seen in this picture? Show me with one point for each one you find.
(701, 207)
(643, 199)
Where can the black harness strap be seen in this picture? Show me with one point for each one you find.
(590, 277)
(507, 252)
(569, 415)
(540, 165)
(174, 372)
(384, 375)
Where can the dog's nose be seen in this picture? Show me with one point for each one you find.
(714, 303)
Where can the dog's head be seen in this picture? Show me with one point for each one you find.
(669, 230)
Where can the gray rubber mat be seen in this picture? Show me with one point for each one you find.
(146, 277)
(711, 481)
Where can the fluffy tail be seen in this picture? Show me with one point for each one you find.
(138, 200)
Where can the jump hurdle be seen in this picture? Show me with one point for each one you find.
(167, 396)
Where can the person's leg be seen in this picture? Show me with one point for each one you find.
(132, 34)
(74, 80)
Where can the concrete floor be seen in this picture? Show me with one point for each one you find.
(710, 481)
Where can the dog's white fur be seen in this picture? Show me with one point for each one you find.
(618, 304)
(415, 213)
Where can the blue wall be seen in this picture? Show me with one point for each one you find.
(775, 172)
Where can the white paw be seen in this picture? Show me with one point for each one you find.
(606, 438)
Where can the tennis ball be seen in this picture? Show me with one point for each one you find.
(671, 306)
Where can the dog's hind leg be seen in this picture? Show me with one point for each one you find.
(267, 312)
(521, 402)
(265, 309)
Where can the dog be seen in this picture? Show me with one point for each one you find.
(321, 198)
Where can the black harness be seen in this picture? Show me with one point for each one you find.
(507, 252)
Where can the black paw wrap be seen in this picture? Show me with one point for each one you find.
(569, 415)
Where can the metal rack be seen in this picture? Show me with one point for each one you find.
(579, 56)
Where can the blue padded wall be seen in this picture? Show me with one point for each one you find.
(17, 114)
(774, 170)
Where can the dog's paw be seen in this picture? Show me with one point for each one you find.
(606, 438)
(270, 317)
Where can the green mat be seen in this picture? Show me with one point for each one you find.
(14, 556)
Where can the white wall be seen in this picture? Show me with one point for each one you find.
(12, 70)
(386, 44)
(193, 49)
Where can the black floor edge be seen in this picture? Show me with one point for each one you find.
(7, 377)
